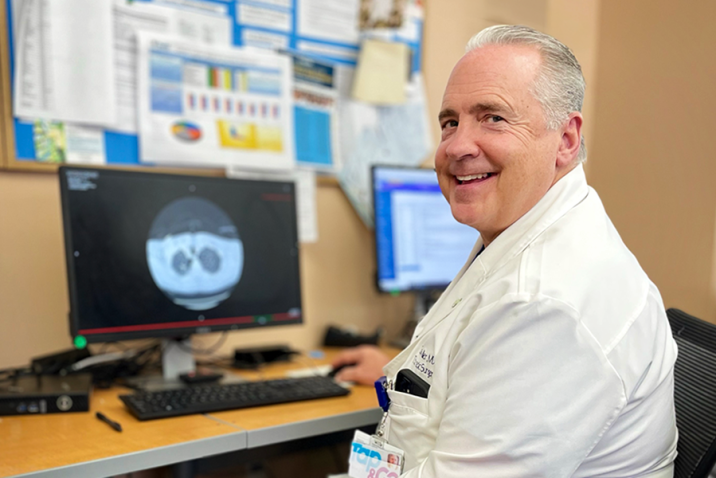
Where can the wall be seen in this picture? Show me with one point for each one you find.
(337, 276)
(653, 158)
(650, 73)
(337, 272)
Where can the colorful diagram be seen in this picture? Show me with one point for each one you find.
(243, 135)
(186, 131)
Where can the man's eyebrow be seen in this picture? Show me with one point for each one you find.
(489, 108)
(446, 113)
(475, 109)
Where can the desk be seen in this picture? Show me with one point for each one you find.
(78, 445)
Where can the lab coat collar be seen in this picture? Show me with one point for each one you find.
(560, 199)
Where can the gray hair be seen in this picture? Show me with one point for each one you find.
(559, 86)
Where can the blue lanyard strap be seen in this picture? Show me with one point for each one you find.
(381, 390)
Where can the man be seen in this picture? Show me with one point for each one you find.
(550, 353)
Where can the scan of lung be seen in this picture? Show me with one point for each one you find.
(194, 253)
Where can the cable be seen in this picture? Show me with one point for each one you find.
(13, 373)
(207, 351)
(223, 361)
(306, 358)
(123, 346)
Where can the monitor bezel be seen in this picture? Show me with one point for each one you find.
(178, 332)
(427, 288)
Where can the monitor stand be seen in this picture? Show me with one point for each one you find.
(177, 359)
(423, 300)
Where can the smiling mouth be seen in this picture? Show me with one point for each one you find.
(473, 178)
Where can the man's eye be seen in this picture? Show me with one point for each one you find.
(495, 118)
(449, 124)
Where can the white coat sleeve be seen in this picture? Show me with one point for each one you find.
(530, 393)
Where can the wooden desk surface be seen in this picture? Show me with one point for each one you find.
(39, 442)
(78, 444)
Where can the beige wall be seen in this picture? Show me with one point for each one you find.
(337, 276)
(648, 126)
(576, 23)
(653, 158)
(337, 272)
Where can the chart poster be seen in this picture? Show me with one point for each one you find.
(210, 106)
(315, 98)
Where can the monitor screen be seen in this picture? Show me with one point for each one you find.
(159, 255)
(419, 245)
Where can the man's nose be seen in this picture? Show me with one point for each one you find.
(464, 143)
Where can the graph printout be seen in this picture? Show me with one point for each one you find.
(205, 105)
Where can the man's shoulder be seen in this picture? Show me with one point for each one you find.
(582, 261)
(579, 261)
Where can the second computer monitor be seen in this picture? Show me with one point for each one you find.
(419, 245)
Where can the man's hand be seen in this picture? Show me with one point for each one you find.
(364, 364)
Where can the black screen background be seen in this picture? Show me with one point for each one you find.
(110, 281)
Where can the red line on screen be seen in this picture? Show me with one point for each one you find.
(169, 325)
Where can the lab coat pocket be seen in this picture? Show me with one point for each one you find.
(409, 427)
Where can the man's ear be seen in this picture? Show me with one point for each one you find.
(571, 140)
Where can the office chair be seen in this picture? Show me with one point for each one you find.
(694, 394)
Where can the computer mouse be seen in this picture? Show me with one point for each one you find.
(335, 370)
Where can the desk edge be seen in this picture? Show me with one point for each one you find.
(313, 427)
(146, 459)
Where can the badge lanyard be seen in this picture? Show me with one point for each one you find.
(371, 455)
(381, 390)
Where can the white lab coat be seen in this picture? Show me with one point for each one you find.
(549, 355)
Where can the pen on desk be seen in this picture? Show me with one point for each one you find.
(109, 422)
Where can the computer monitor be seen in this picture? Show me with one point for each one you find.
(161, 255)
(419, 245)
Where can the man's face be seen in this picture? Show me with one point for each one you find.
(496, 158)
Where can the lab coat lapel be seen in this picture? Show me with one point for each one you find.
(442, 308)
(558, 201)
(470, 274)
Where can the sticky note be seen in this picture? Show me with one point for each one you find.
(382, 73)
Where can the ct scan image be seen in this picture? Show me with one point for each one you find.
(194, 253)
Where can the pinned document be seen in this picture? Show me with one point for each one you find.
(388, 135)
(206, 26)
(205, 105)
(58, 142)
(328, 20)
(64, 64)
(315, 119)
(381, 13)
(382, 73)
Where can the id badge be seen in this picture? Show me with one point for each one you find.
(373, 457)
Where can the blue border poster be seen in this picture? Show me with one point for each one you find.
(319, 29)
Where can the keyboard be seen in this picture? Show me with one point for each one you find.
(216, 397)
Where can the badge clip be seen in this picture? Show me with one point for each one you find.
(381, 390)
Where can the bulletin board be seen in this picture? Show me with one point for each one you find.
(291, 25)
